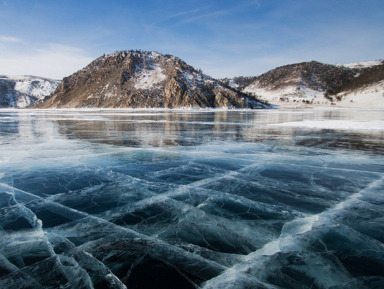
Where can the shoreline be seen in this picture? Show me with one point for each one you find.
(274, 107)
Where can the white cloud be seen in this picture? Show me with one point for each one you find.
(10, 39)
(52, 61)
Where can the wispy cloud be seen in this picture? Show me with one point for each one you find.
(195, 15)
(206, 15)
(10, 39)
(53, 60)
(189, 12)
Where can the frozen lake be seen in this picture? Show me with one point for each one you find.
(192, 199)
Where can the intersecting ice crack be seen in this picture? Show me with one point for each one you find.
(195, 184)
(37, 232)
(133, 234)
(153, 199)
(287, 242)
(158, 198)
(67, 265)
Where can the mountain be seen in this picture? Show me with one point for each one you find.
(22, 91)
(314, 83)
(139, 79)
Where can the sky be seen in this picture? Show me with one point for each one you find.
(224, 38)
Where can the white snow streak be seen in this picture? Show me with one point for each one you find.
(145, 79)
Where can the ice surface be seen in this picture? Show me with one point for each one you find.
(191, 199)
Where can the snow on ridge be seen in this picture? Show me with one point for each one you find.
(151, 54)
(26, 78)
(41, 89)
(364, 64)
(27, 88)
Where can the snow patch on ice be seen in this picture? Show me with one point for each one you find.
(269, 249)
(299, 226)
(335, 124)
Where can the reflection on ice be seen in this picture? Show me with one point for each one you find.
(191, 199)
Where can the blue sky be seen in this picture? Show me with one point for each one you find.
(224, 38)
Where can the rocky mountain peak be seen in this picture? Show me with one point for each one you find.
(140, 79)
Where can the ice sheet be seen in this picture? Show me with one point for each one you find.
(191, 199)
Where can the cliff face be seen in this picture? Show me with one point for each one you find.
(22, 91)
(138, 79)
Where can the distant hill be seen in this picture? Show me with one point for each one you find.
(139, 79)
(314, 83)
(22, 91)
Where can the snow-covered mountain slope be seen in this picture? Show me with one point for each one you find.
(22, 91)
(366, 96)
(141, 80)
(318, 84)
